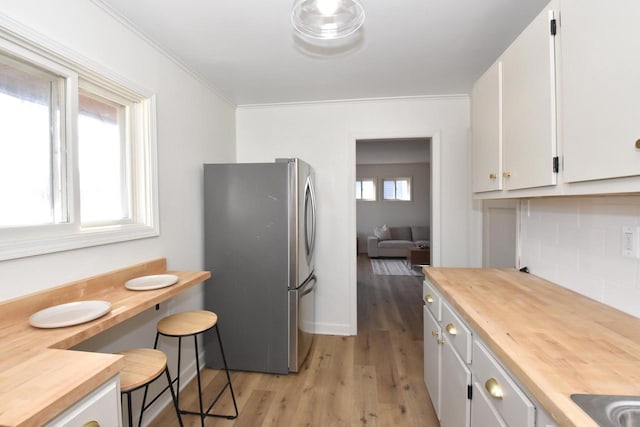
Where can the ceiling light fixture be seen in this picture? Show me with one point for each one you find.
(327, 19)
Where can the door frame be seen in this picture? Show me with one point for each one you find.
(434, 135)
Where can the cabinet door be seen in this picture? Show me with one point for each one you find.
(543, 419)
(600, 87)
(482, 412)
(432, 359)
(455, 406)
(101, 405)
(528, 106)
(486, 130)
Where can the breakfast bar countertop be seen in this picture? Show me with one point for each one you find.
(556, 342)
(39, 376)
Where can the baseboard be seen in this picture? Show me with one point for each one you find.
(335, 329)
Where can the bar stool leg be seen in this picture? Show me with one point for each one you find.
(202, 321)
(178, 373)
(202, 414)
(129, 414)
(224, 361)
(173, 398)
(144, 400)
(144, 407)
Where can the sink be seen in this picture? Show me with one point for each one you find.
(609, 410)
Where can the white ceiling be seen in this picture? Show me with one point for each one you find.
(249, 52)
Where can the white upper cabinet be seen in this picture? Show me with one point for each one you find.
(487, 132)
(600, 111)
(558, 114)
(529, 105)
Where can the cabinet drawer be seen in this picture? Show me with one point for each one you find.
(432, 299)
(513, 406)
(456, 333)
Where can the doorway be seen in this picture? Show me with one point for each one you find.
(393, 185)
(433, 139)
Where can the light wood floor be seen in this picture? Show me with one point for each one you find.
(372, 379)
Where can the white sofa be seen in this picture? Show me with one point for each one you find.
(395, 241)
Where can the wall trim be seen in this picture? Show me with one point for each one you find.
(355, 100)
(151, 42)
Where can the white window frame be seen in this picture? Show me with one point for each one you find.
(375, 189)
(79, 72)
(395, 180)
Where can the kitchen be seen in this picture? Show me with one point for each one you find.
(197, 125)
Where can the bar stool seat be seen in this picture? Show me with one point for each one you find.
(192, 323)
(187, 323)
(142, 366)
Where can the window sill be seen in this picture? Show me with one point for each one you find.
(95, 236)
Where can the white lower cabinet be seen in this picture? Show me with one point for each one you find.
(101, 406)
(432, 358)
(447, 353)
(512, 405)
(482, 411)
(455, 405)
(468, 385)
(543, 419)
(456, 333)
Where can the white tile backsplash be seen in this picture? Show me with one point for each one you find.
(576, 243)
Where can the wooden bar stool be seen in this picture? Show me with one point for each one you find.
(192, 323)
(142, 366)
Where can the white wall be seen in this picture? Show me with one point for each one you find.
(194, 126)
(576, 242)
(395, 151)
(324, 134)
(371, 214)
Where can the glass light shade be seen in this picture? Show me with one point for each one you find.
(327, 19)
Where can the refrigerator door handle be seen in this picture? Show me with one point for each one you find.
(311, 288)
(309, 203)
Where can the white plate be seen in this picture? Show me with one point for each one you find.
(69, 314)
(155, 281)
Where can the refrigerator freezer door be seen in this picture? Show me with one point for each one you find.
(302, 315)
(247, 252)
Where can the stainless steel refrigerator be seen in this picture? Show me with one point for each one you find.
(259, 246)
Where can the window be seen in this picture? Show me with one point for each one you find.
(396, 189)
(103, 160)
(30, 138)
(77, 163)
(366, 189)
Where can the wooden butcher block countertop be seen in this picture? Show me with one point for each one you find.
(555, 341)
(39, 377)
